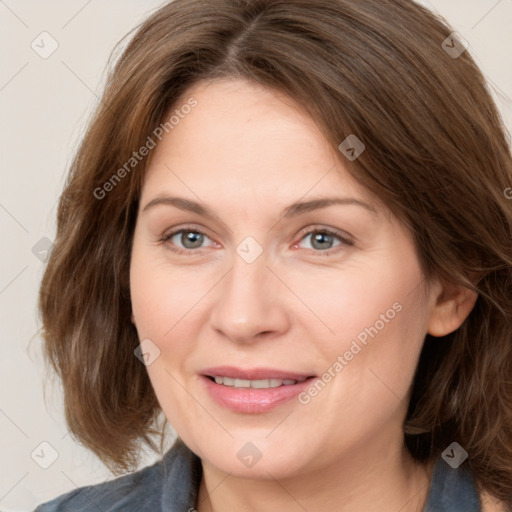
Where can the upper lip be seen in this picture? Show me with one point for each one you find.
(252, 373)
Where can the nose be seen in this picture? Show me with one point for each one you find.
(251, 302)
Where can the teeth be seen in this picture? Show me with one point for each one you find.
(257, 384)
(242, 383)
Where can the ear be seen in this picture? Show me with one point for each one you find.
(453, 305)
(133, 320)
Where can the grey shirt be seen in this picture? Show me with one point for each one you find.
(172, 485)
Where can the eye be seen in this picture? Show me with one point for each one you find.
(323, 239)
(190, 238)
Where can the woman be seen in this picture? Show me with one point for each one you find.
(189, 284)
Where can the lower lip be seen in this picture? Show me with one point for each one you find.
(253, 400)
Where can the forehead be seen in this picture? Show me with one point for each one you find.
(246, 139)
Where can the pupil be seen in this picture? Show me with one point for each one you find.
(320, 236)
(191, 236)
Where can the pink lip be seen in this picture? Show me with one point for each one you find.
(252, 400)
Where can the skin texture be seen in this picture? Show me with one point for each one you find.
(247, 152)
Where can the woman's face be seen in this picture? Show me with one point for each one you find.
(249, 282)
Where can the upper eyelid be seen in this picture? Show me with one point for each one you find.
(174, 232)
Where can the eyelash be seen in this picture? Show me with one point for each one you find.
(344, 241)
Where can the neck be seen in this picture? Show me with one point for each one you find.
(364, 481)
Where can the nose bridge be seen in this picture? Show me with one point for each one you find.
(248, 302)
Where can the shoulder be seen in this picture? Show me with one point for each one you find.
(122, 493)
(173, 479)
(454, 489)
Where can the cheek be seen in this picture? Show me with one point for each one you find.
(161, 294)
(357, 300)
(369, 366)
(162, 303)
(168, 303)
(371, 334)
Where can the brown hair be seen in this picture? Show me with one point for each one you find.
(436, 155)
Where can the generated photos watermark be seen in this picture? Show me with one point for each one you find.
(179, 114)
(343, 360)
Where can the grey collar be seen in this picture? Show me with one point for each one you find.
(452, 490)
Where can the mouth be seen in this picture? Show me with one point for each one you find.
(253, 390)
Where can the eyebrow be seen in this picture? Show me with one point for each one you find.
(295, 209)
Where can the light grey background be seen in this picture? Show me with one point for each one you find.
(44, 107)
